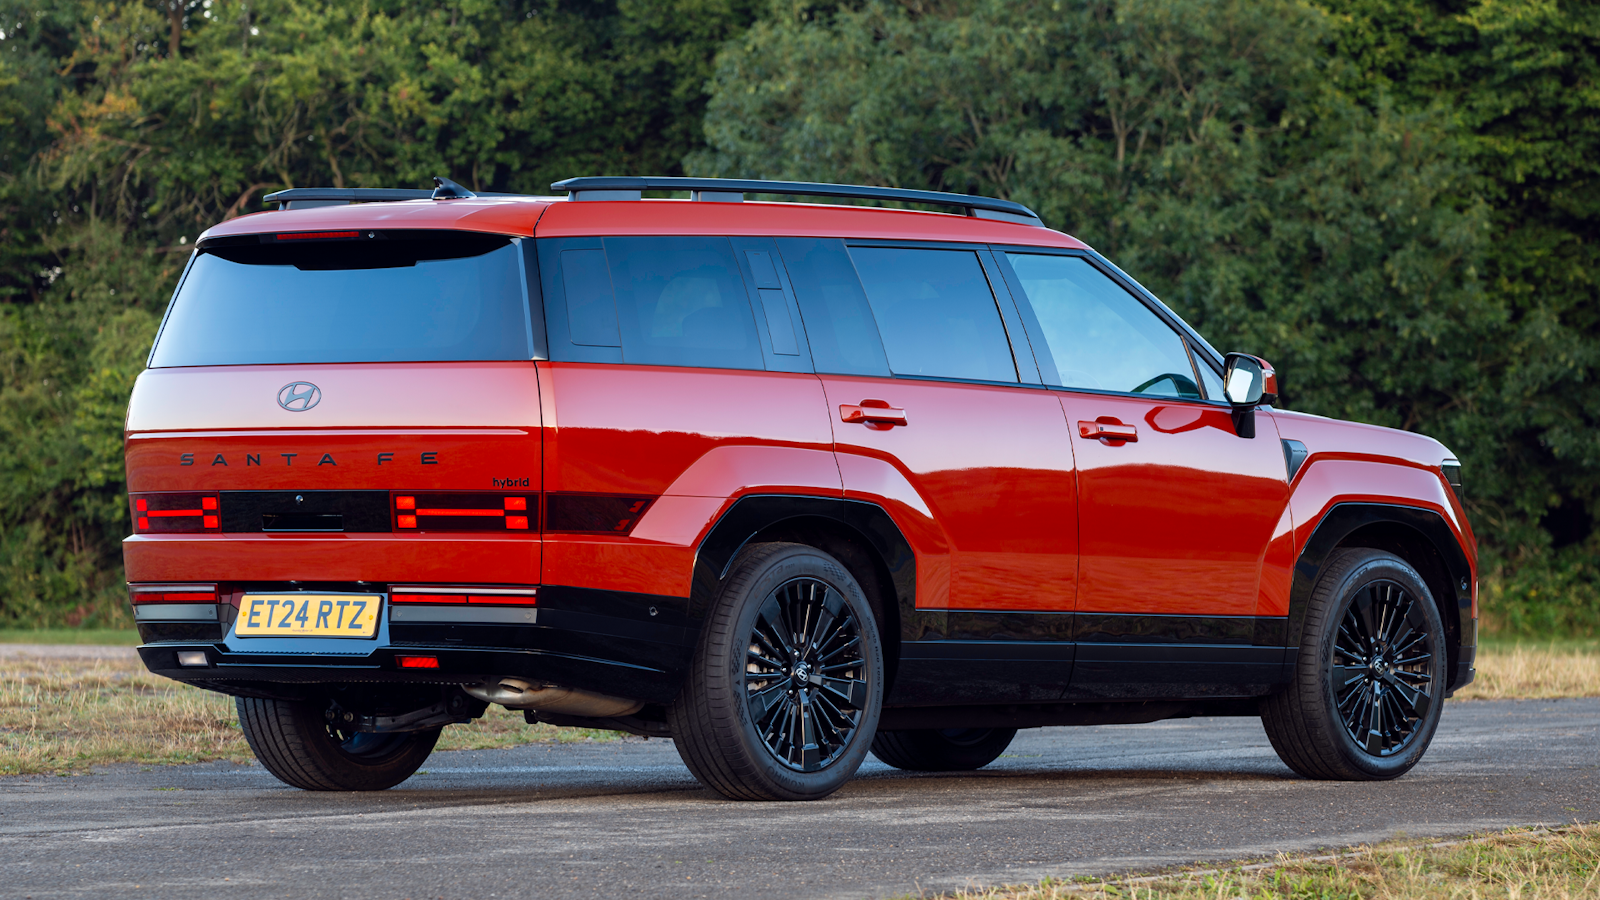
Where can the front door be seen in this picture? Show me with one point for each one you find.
(1177, 510)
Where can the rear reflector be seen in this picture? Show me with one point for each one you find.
(175, 512)
(417, 662)
(460, 512)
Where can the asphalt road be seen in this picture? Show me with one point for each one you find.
(625, 820)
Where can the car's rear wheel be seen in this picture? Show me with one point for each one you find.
(942, 749)
(1370, 680)
(785, 689)
(303, 748)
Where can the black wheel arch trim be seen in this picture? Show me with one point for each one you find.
(1385, 527)
(789, 517)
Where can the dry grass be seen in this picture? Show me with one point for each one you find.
(65, 715)
(1535, 672)
(1560, 864)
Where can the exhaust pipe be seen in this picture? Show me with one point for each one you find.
(514, 693)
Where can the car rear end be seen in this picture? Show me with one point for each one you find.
(334, 468)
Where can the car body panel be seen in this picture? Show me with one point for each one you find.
(994, 465)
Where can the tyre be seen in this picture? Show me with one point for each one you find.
(942, 749)
(1369, 685)
(296, 743)
(783, 694)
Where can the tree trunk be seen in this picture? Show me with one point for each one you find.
(175, 17)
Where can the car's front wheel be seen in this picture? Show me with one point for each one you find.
(298, 743)
(1370, 679)
(785, 689)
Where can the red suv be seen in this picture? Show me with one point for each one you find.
(785, 482)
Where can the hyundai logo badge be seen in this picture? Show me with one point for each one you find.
(299, 396)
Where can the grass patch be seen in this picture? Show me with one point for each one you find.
(117, 637)
(1560, 864)
(1535, 670)
(62, 716)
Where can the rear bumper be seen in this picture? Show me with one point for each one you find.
(504, 559)
(626, 645)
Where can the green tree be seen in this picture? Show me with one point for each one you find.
(1273, 189)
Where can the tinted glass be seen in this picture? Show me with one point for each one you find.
(838, 322)
(681, 302)
(1100, 335)
(936, 313)
(591, 306)
(406, 299)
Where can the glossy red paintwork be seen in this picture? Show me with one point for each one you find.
(785, 220)
(1175, 522)
(994, 466)
(509, 216)
(477, 421)
(1354, 463)
(655, 431)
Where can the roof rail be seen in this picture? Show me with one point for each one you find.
(732, 190)
(304, 198)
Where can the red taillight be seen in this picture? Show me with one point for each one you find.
(318, 235)
(495, 596)
(460, 512)
(417, 662)
(176, 512)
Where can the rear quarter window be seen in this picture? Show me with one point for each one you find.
(417, 296)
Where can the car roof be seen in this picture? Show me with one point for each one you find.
(559, 217)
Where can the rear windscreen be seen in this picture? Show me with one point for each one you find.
(387, 297)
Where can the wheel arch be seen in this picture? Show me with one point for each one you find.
(1419, 536)
(860, 534)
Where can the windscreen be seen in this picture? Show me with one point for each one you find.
(375, 297)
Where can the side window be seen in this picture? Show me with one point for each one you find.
(1101, 336)
(1209, 379)
(844, 339)
(681, 302)
(936, 313)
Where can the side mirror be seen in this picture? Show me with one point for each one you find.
(1248, 381)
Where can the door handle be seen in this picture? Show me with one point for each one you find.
(872, 412)
(1112, 431)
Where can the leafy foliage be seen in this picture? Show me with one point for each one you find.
(1404, 236)
(1395, 200)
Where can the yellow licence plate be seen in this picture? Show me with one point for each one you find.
(308, 615)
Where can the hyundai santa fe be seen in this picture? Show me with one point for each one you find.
(787, 482)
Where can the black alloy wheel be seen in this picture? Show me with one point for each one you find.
(805, 680)
(1371, 674)
(1383, 656)
(305, 747)
(785, 689)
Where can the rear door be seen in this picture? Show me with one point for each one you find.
(915, 353)
(1177, 510)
